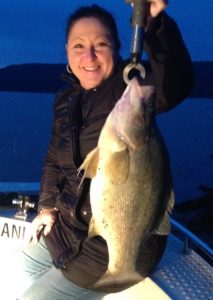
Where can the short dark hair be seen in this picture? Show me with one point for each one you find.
(95, 11)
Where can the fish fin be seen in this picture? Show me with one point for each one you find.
(171, 203)
(92, 229)
(164, 228)
(89, 165)
(117, 168)
(120, 280)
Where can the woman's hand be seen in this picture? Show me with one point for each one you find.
(156, 7)
(43, 221)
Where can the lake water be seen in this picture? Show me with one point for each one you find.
(25, 126)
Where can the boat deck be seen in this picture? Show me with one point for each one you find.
(178, 276)
(184, 276)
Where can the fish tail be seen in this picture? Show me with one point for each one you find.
(121, 280)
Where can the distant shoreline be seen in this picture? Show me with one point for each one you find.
(45, 78)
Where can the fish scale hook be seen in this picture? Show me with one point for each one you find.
(138, 22)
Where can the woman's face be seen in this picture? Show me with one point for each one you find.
(90, 52)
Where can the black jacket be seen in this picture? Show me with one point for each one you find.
(78, 118)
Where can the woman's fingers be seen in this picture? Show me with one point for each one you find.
(156, 7)
(44, 221)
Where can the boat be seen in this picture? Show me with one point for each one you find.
(185, 271)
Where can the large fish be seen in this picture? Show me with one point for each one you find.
(130, 189)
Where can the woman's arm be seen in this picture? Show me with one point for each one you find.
(51, 175)
(170, 62)
(50, 188)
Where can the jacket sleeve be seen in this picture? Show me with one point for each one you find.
(51, 175)
(170, 62)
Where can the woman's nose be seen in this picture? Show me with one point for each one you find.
(90, 53)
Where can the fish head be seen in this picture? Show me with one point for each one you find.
(133, 114)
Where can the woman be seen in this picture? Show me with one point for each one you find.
(95, 83)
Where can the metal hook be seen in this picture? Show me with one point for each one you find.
(138, 24)
(131, 69)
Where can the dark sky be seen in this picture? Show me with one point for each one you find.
(33, 32)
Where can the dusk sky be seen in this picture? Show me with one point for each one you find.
(34, 32)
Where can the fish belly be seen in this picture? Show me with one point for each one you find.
(122, 215)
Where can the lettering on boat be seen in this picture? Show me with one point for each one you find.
(14, 229)
(13, 232)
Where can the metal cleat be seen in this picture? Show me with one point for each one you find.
(24, 204)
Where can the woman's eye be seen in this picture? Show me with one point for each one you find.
(102, 45)
(78, 46)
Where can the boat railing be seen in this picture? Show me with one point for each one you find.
(190, 239)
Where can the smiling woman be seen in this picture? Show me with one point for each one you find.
(95, 83)
(91, 52)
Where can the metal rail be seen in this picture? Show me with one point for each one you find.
(189, 237)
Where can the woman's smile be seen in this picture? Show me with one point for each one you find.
(90, 52)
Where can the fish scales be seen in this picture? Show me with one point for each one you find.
(131, 191)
